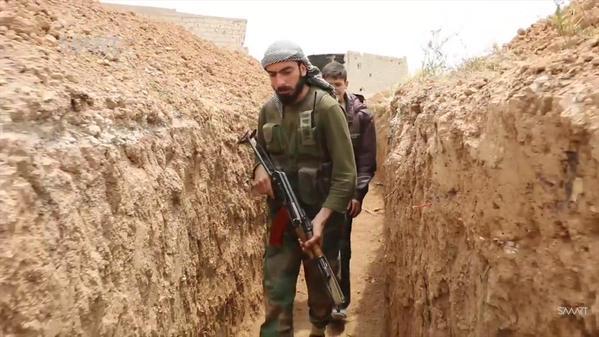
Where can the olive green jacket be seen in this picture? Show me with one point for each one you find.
(310, 141)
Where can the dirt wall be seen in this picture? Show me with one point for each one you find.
(124, 207)
(492, 198)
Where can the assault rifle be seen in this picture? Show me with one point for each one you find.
(297, 216)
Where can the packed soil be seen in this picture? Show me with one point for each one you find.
(124, 207)
(491, 178)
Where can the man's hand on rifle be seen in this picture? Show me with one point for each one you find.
(261, 183)
(318, 223)
(316, 239)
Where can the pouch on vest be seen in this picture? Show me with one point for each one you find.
(273, 136)
(307, 134)
(324, 177)
(307, 180)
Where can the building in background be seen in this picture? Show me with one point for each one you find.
(224, 32)
(367, 74)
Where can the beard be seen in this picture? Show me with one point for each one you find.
(291, 97)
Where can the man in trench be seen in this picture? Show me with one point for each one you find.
(305, 132)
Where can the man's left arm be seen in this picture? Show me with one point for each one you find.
(343, 176)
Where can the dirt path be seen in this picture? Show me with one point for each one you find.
(365, 314)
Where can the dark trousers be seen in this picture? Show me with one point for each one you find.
(345, 256)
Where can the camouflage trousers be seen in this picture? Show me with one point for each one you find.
(281, 269)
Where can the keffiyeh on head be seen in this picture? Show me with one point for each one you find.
(283, 51)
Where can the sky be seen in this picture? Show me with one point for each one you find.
(398, 28)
